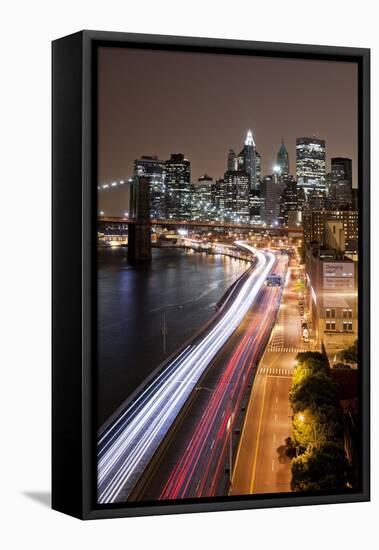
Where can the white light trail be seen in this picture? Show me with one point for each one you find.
(127, 446)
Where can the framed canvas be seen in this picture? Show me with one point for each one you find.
(210, 275)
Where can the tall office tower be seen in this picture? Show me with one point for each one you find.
(195, 206)
(328, 183)
(232, 160)
(218, 199)
(249, 162)
(153, 169)
(178, 187)
(255, 206)
(236, 196)
(258, 162)
(271, 192)
(342, 195)
(341, 170)
(310, 163)
(301, 198)
(283, 160)
(202, 207)
(289, 211)
(341, 192)
(204, 188)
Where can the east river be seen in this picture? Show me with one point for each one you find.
(180, 287)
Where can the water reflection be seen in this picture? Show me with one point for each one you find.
(175, 296)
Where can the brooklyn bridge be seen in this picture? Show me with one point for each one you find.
(139, 226)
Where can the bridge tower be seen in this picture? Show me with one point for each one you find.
(139, 233)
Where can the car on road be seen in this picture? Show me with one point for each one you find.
(274, 280)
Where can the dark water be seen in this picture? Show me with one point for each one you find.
(132, 302)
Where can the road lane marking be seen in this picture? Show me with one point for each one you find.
(273, 465)
(280, 349)
(258, 437)
(274, 438)
(276, 417)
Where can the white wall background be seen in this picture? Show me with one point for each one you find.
(26, 31)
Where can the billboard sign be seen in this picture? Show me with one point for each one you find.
(339, 275)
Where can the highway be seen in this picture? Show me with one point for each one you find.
(127, 446)
(196, 458)
(261, 464)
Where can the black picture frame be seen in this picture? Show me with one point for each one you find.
(74, 267)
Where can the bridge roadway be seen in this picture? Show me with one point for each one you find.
(126, 446)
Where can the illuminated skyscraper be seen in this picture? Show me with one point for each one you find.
(249, 161)
(178, 187)
(341, 192)
(219, 199)
(310, 163)
(255, 206)
(289, 203)
(202, 207)
(236, 190)
(232, 160)
(283, 160)
(257, 169)
(341, 169)
(271, 191)
(154, 170)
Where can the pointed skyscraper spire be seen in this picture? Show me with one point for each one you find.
(249, 139)
(283, 159)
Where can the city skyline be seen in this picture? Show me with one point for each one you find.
(275, 98)
(242, 195)
(291, 171)
(228, 303)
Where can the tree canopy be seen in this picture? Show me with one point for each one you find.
(316, 446)
(322, 468)
(316, 389)
(350, 354)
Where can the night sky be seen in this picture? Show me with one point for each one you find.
(158, 103)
